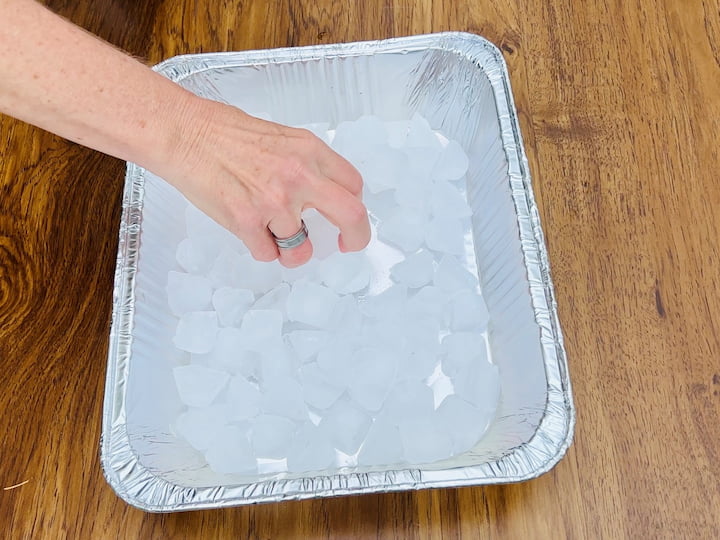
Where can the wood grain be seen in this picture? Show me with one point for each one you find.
(620, 113)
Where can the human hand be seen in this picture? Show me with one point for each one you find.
(251, 176)
(256, 177)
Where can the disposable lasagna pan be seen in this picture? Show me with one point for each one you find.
(459, 83)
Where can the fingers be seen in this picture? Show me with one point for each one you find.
(346, 212)
(272, 178)
(287, 226)
(260, 242)
(342, 172)
(340, 200)
(334, 166)
(336, 196)
(335, 203)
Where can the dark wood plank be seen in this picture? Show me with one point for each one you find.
(620, 113)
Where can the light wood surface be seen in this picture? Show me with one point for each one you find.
(620, 113)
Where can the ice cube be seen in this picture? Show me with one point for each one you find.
(307, 343)
(373, 374)
(408, 400)
(413, 194)
(310, 450)
(370, 128)
(421, 353)
(231, 304)
(345, 273)
(346, 317)
(259, 326)
(271, 436)
(187, 292)
(428, 302)
(275, 299)
(196, 331)
(243, 399)
(441, 386)
(198, 386)
(464, 422)
(283, 396)
(446, 200)
(305, 271)
(420, 134)
(346, 424)
(230, 353)
(380, 206)
(226, 349)
(452, 163)
(417, 365)
(445, 234)
(387, 333)
(451, 276)
(397, 131)
(277, 361)
(389, 303)
(318, 390)
(381, 167)
(322, 233)
(204, 231)
(405, 230)
(198, 426)
(230, 452)
(334, 359)
(461, 350)
(424, 440)
(193, 256)
(423, 333)
(479, 384)
(382, 445)
(246, 363)
(311, 304)
(258, 276)
(421, 161)
(415, 271)
(226, 269)
(468, 311)
(363, 131)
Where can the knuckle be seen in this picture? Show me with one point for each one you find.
(309, 144)
(245, 222)
(262, 248)
(306, 136)
(355, 181)
(294, 170)
(355, 212)
(278, 199)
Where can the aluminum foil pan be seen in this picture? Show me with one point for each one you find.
(459, 82)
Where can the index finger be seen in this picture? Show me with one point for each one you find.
(345, 211)
(339, 169)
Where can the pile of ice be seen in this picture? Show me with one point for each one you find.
(376, 358)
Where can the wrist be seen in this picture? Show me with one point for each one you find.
(173, 131)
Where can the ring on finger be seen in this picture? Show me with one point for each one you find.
(294, 240)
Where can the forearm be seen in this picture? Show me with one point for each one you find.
(58, 77)
(253, 177)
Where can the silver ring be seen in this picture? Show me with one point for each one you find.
(293, 241)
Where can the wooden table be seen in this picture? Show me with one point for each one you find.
(620, 112)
